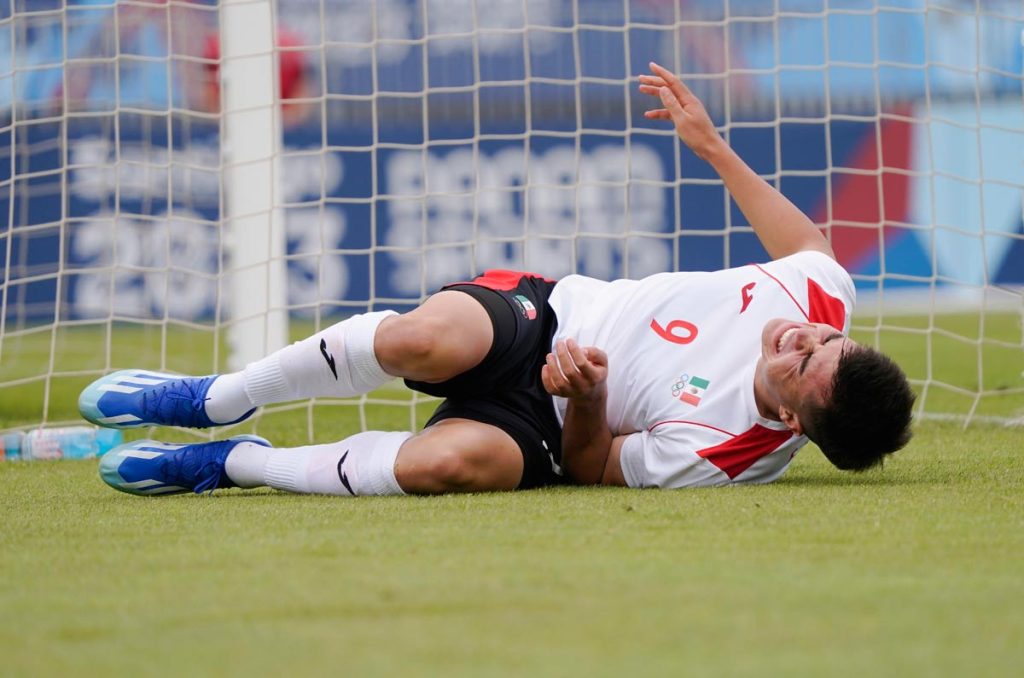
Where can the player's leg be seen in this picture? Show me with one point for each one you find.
(455, 455)
(459, 455)
(449, 334)
(496, 429)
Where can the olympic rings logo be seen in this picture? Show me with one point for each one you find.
(680, 384)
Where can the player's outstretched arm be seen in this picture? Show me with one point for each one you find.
(781, 226)
(580, 375)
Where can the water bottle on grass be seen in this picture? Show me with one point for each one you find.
(13, 443)
(69, 442)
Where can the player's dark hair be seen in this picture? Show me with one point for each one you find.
(867, 414)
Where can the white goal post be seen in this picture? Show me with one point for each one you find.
(189, 184)
(251, 149)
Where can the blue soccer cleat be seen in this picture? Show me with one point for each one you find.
(133, 398)
(146, 467)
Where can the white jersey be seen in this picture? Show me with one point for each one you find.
(682, 348)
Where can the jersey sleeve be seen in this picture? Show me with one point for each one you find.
(668, 457)
(818, 284)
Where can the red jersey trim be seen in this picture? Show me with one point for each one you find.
(501, 280)
(823, 307)
(784, 289)
(739, 453)
(689, 423)
(735, 456)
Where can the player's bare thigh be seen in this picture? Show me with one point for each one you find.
(459, 455)
(447, 335)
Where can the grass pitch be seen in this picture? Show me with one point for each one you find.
(914, 569)
(910, 570)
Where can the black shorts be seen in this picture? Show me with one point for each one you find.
(505, 390)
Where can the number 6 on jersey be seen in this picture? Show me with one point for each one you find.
(669, 333)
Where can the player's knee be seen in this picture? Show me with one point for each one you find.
(459, 456)
(457, 470)
(408, 345)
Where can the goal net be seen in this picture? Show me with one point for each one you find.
(187, 183)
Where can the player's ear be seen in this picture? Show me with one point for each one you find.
(791, 419)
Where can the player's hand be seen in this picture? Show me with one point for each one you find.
(575, 372)
(693, 125)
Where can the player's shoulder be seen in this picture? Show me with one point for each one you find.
(809, 261)
(811, 265)
(817, 283)
(692, 453)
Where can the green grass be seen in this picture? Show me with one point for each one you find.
(914, 569)
(911, 570)
(967, 360)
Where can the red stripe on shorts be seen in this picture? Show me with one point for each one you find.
(502, 280)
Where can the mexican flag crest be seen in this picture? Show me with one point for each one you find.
(527, 307)
(694, 390)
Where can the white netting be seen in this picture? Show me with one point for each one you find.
(427, 140)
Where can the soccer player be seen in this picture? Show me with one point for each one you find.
(676, 380)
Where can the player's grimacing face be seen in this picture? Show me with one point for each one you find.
(798, 361)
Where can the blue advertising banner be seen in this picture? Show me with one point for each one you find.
(445, 138)
(139, 233)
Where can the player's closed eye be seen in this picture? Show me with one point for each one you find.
(810, 350)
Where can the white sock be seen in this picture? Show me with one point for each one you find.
(226, 399)
(245, 464)
(338, 361)
(363, 464)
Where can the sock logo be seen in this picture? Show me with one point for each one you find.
(329, 358)
(344, 476)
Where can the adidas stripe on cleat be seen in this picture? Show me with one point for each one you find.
(133, 398)
(148, 467)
